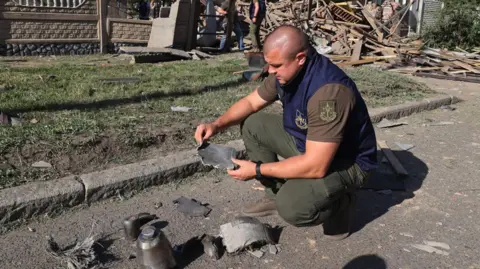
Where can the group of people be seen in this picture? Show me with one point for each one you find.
(257, 11)
(150, 8)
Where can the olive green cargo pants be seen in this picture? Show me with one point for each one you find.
(300, 202)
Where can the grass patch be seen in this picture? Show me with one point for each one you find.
(78, 123)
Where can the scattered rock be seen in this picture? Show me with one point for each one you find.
(34, 121)
(41, 164)
(180, 108)
(406, 234)
(430, 249)
(437, 244)
(158, 205)
(15, 121)
(272, 249)
(31, 229)
(256, 253)
(404, 146)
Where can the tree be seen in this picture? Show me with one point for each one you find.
(457, 24)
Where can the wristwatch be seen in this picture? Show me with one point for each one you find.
(257, 169)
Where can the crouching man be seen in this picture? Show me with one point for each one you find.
(324, 135)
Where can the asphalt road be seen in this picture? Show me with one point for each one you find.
(440, 204)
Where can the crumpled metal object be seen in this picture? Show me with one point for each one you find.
(243, 232)
(191, 207)
(217, 156)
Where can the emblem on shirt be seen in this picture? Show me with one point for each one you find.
(301, 121)
(328, 110)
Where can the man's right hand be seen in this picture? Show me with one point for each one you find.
(205, 131)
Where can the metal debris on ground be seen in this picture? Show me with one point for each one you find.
(211, 246)
(430, 249)
(191, 207)
(132, 224)
(218, 156)
(244, 232)
(180, 108)
(385, 123)
(404, 146)
(41, 164)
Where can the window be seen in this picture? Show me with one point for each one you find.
(50, 3)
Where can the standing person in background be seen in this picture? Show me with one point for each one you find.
(257, 9)
(143, 8)
(155, 6)
(222, 9)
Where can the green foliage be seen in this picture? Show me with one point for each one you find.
(457, 25)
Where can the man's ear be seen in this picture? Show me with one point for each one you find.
(301, 58)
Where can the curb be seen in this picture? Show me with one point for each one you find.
(33, 199)
(407, 109)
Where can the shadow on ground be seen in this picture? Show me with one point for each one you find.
(127, 100)
(372, 205)
(366, 261)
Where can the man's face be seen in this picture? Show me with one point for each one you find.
(283, 67)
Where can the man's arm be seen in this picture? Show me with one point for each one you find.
(241, 110)
(328, 112)
(257, 8)
(255, 101)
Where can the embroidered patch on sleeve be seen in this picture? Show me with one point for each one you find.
(328, 110)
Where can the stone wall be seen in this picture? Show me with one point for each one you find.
(24, 29)
(27, 31)
(50, 49)
(130, 30)
(89, 7)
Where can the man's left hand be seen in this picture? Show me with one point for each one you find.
(245, 172)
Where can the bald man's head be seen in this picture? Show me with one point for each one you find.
(285, 51)
(288, 39)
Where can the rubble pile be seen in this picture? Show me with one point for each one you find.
(353, 33)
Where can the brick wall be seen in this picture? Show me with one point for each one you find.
(130, 31)
(23, 29)
(89, 7)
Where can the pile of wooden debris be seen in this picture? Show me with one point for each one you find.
(353, 33)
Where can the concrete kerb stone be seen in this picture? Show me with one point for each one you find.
(33, 199)
(138, 176)
(403, 110)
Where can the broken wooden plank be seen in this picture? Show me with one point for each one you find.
(371, 20)
(466, 66)
(357, 50)
(454, 78)
(392, 159)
